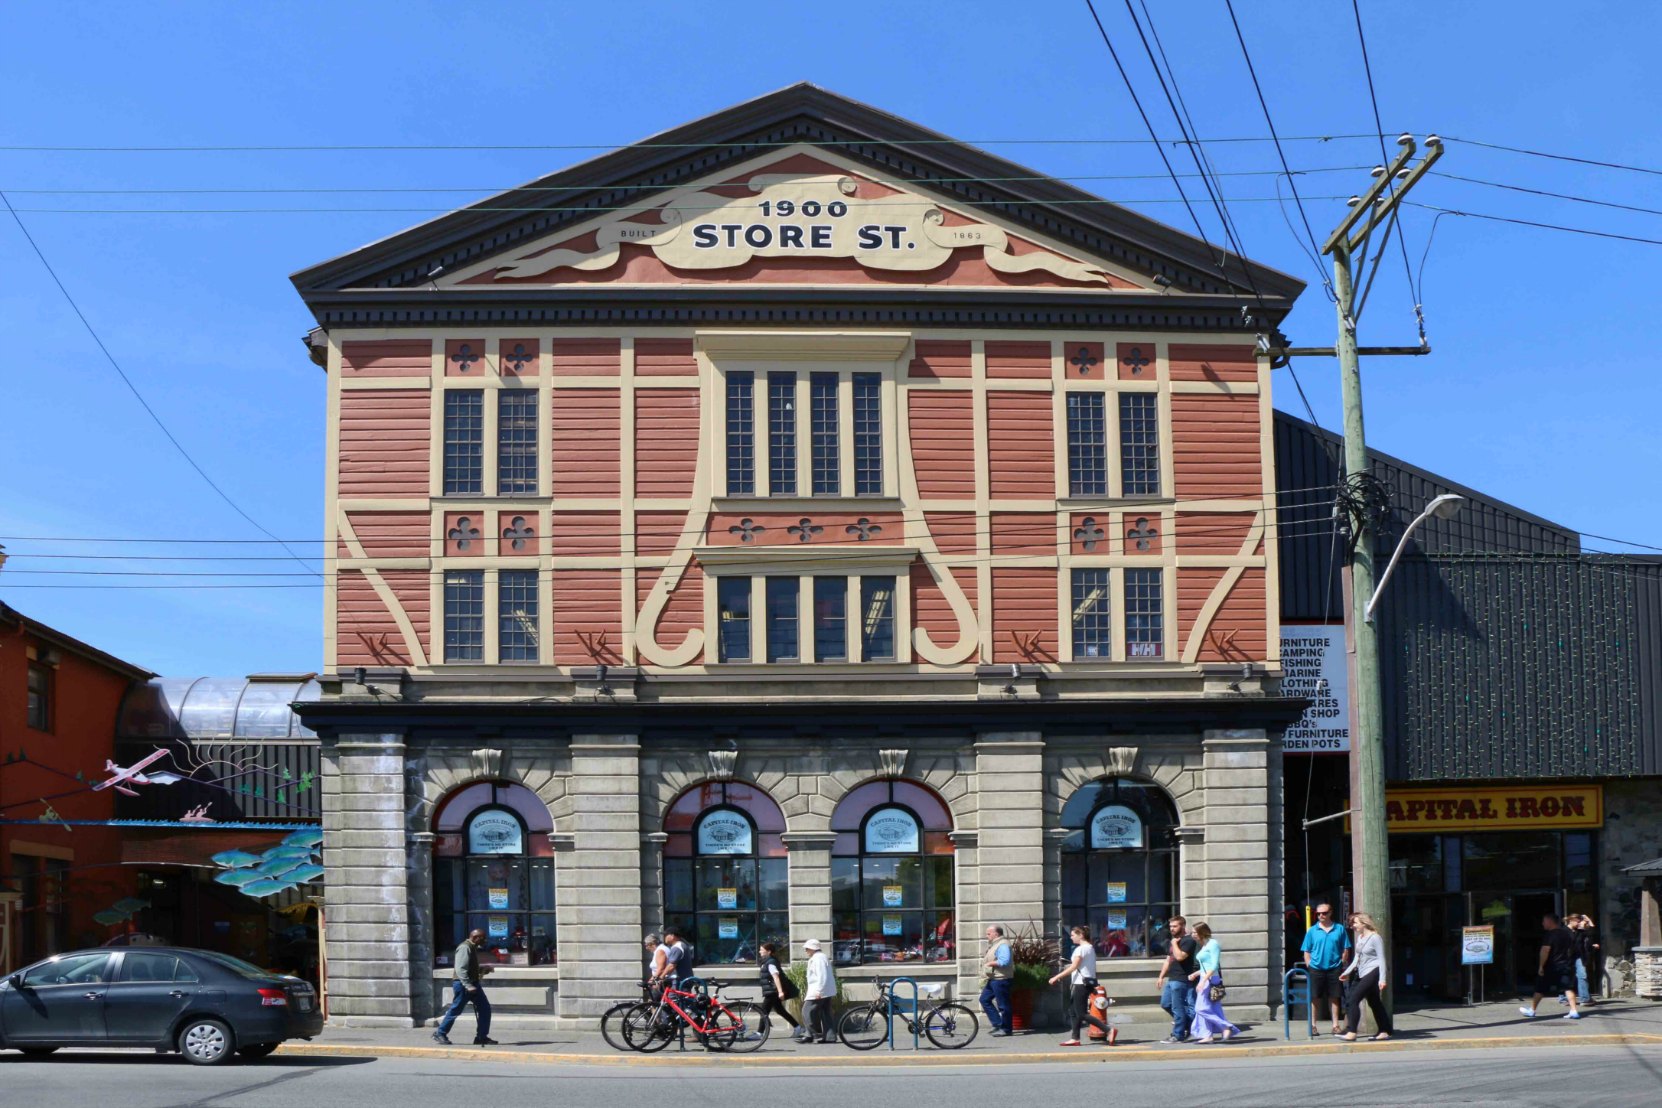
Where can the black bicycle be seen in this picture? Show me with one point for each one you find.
(948, 1025)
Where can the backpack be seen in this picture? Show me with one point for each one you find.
(788, 987)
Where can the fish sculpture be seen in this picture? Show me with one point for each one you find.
(266, 887)
(278, 853)
(129, 905)
(311, 837)
(239, 878)
(236, 859)
(305, 875)
(109, 917)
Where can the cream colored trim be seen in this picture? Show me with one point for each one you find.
(1168, 441)
(1219, 338)
(488, 438)
(1272, 548)
(1220, 591)
(331, 502)
(372, 384)
(984, 501)
(493, 615)
(804, 346)
(1216, 388)
(411, 640)
(627, 518)
(845, 440)
(387, 504)
(435, 419)
(791, 561)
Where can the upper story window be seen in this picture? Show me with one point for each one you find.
(839, 416)
(1087, 444)
(40, 696)
(806, 618)
(1145, 606)
(516, 614)
(516, 442)
(1139, 444)
(464, 616)
(1093, 631)
(464, 442)
(733, 619)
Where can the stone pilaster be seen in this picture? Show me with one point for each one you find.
(421, 926)
(971, 929)
(598, 880)
(366, 900)
(1242, 881)
(1009, 854)
(810, 888)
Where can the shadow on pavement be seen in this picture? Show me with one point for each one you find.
(286, 1060)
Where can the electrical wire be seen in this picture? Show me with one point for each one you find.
(145, 404)
(1559, 157)
(1534, 223)
(1546, 193)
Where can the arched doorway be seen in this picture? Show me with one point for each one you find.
(726, 876)
(893, 895)
(493, 869)
(1120, 866)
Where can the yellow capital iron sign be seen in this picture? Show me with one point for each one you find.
(1495, 808)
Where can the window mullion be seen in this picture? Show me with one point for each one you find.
(845, 434)
(804, 435)
(854, 626)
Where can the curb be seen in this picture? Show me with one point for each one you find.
(941, 1058)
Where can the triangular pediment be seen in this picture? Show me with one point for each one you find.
(798, 188)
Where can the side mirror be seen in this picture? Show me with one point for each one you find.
(16, 981)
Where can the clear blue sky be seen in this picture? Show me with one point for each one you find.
(1543, 389)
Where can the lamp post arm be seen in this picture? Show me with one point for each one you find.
(1390, 567)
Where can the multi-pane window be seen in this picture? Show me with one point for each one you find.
(877, 619)
(868, 434)
(516, 615)
(1145, 634)
(1087, 445)
(726, 871)
(516, 442)
(40, 696)
(1119, 866)
(464, 615)
(464, 442)
(1093, 633)
(830, 619)
(741, 434)
(1139, 444)
(782, 434)
(783, 624)
(733, 619)
(822, 420)
(892, 894)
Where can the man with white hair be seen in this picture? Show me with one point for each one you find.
(818, 995)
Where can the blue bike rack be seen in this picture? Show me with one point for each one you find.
(1296, 992)
(894, 1009)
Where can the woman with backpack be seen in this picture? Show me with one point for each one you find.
(776, 988)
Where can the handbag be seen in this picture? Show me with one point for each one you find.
(1217, 992)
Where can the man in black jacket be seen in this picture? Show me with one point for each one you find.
(468, 988)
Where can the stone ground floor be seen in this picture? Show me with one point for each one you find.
(895, 842)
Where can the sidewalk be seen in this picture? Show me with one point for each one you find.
(1613, 1022)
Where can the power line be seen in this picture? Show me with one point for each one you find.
(151, 412)
(1544, 192)
(1559, 157)
(1533, 223)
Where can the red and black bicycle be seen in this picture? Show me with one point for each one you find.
(649, 1025)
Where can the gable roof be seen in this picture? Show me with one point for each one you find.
(11, 616)
(389, 270)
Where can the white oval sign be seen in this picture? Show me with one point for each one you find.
(725, 832)
(1116, 826)
(891, 831)
(495, 832)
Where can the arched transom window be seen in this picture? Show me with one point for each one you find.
(1119, 866)
(493, 869)
(726, 878)
(892, 892)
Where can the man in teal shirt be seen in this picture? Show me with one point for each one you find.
(1325, 947)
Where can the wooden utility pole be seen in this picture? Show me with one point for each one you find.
(1370, 844)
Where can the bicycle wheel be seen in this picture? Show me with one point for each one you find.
(864, 1027)
(753, 1027)
(951, 1026)
(642, 1030)
(611, 1025)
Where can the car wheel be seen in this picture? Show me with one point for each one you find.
(37, 1051)
(205, 1042)
(258, 1050)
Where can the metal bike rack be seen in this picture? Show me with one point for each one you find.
(894, 1006)
(1296, 992)
(693, 985)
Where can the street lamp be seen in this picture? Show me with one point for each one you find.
(1446, 506)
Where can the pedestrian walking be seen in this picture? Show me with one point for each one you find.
(677, 965)
(1177, 995)
(1207, 980)
(776, 988)
(468, 988)
(1081, 970)
(1370, 978)
(817, 998)
(1587, 953)
(1556, 973)
(1325, 947)
(998, 974)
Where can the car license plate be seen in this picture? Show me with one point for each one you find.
(303, 1002)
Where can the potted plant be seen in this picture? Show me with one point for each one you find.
(798, 974)
(1036, 958)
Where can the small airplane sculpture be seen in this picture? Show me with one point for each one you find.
(134, 775)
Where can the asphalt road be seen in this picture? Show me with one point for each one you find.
(1502, 1076)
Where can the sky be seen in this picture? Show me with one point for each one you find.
(1541, 391)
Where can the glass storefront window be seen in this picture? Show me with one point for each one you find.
(726, 877)
(1119, 866)
(493, 869)
(1510, 860)
(892, 894)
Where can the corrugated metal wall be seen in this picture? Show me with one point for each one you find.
(1505, 652)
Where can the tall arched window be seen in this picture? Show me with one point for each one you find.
(1119, 865)
(892, 892)
(726, 877)
(493, 869)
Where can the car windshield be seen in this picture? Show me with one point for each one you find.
(236, 965)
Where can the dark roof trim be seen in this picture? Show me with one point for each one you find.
(1646, 868)
(955, 717)
(801, 112)
(57, 638)
(1338, 440)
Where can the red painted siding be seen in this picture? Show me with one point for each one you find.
(585, 357)
(413, 590)
(1083, 361)
(1019, 446)
(665, 358)
(587, 601)
(682, 612)
(390, 534)
(384, 445)
(1194, 586)
(1024, 533)
(943, 443)
(1215, 446)
(1212, 532)
(586, 429)
(656, 533)
(361, 619)
(953, 532)
(774, 529)
(1018, 359)
(1024, 607)
(1239, 632)
(666, 441)
(936, 360)
(397, 358)
(1195, 362)
(585, 533)
(930, 609)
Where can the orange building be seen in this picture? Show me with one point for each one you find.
(806, 472)
(59, 699)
